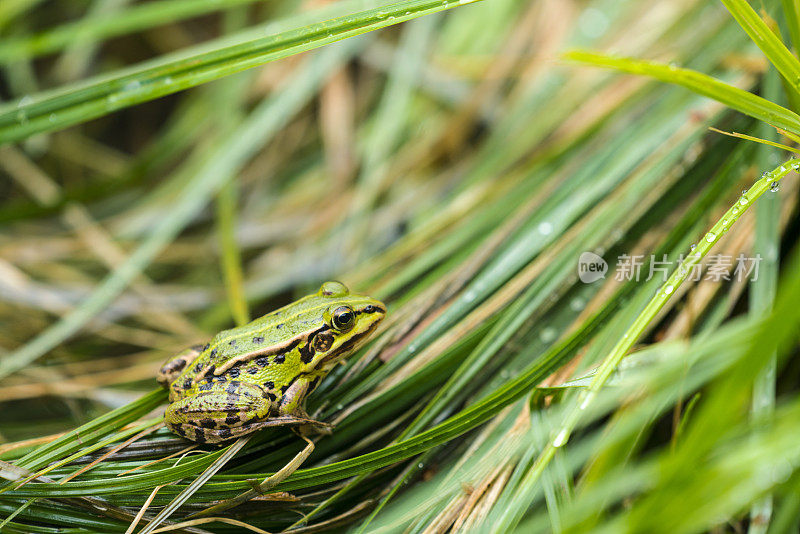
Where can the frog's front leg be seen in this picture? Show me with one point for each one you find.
(293, 400)
(220, 411)
(175, 365)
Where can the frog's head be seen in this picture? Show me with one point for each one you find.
(349, 319)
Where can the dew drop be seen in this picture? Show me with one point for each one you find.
(561, 438)
(577, 304)
(669, 289)
(545, 228)
(710, 237)
(743, 201)
(774, 187)
(692, 247)
(548, 334)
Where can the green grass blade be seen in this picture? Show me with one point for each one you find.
(769, 43)
(791, 11)
(762, 296)
(702, 84)
(92, 29)
(73, 105)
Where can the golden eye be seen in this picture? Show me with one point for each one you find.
(343, 318)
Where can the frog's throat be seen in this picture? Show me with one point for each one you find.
(279, 348)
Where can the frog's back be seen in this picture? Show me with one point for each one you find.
(273, 333)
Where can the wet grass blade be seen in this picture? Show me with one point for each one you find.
(73, 105)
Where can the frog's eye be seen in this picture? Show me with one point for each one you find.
(333, 289)
(343, 318)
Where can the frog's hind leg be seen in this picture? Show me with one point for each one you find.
(219, 411)
(204, 432)
(175, 365)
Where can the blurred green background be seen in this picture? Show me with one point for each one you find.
(172, 168)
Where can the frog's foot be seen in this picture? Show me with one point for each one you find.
(316, 427)
(311, 426)
(175, 365)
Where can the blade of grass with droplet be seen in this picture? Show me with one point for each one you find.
(76, 104)
(89, 30)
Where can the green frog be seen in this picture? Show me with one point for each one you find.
(259, 375)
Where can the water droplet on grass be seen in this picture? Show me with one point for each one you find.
(548, 334)
(561, 438)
